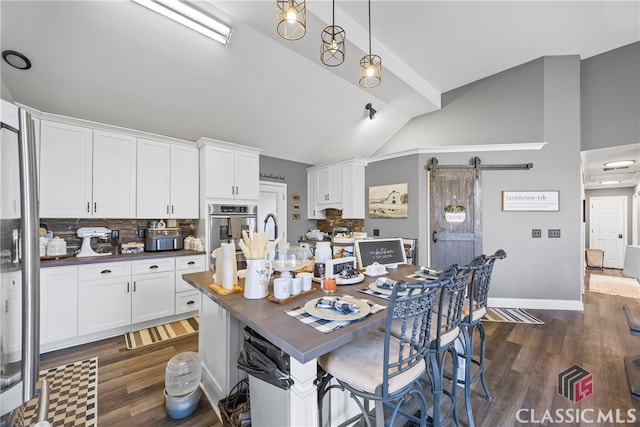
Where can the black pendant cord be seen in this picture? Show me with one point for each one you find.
(369, 28)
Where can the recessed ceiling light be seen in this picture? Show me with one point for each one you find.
(16, 59)
(610, 182)
(619, 164)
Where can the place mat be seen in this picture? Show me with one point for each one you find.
(612, 285)
(217, 288)
(161, 333)
(326, 326)
(73, 396)
(511, 315)
(273, 298)
(370, 291)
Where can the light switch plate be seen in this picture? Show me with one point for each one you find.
(536, 233)
(554, 233)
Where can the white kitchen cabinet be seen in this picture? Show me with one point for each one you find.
(11, 314)
(9, 175)
(86, 173)
(58, 303)
(167, 180)
(104, 302)
(154, 291)
(188, 298)
(313, 212)
(339, 185)
(229, 171)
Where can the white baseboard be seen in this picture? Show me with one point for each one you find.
(538, 304)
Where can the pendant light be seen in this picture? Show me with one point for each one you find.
(332, 42)
(292, 18)
(370, 65)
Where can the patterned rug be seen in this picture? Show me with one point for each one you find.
(161, 333)
(73, 396)
(611, 285)
(512, 315)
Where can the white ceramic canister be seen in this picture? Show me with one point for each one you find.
(256, 283)
(56, 246)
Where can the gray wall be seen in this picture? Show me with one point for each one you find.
(296, 179)
(605, 192)
(538, 101)
(611, 98)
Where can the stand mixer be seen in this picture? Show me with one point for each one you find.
(87, 233)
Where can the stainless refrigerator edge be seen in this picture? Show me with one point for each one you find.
(19, 261)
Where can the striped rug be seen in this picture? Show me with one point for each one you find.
(512, 315)
(161, 333)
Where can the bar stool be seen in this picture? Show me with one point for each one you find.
(383, 368)
(474, 310)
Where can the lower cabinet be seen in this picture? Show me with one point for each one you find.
(154, 291)
(188, 298)
(58, 303)
(11, 314)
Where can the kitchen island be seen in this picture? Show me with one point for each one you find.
(302, 342)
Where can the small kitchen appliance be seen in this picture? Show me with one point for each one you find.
(87, 233)
(163, 239)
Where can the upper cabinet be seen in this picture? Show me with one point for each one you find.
(229, 171)
(86, 173)
(167, 180)
(337, 185)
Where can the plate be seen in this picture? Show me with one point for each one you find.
(331, 314)
(375, 287)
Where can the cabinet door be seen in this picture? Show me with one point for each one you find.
(58, 303)
(184, 182)
(153, 179)
(9, 175)
(312, 209)
(220, 170)
(114, 175)
(329, 185)
(247, 175)
(65, 171)
(153, 296)
(353, 200)
(11, 314)
(104, 304)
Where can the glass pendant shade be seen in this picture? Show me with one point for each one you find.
(292, 18)
(370, 71)
(332, 47)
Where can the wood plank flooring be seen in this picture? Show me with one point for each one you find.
(523, 362)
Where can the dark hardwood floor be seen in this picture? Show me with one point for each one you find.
(523, 362)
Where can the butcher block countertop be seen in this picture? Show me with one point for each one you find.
(301, 341)
(72, 260)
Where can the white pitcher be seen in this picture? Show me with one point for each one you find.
(256, 283)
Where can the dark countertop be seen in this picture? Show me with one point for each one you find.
(73, 260)
(302, 342)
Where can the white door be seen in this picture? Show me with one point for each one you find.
(273, 201)
(608, 221)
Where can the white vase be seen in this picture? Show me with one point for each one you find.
(256, 283)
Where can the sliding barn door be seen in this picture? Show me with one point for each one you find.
(455, 216)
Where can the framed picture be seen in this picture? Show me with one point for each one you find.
(389, 201)
(531, 201)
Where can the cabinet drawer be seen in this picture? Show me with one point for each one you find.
(187, 301)
(152, 265)
(196, 262)
(181, 284)
(104, 270)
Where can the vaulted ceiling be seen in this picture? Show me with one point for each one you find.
(118, 63)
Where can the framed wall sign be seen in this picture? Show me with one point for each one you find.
(388, 252)
(531, 201)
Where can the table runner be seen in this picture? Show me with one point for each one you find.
(326, 326)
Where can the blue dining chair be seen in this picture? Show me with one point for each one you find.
(382, 368)
(475, 308)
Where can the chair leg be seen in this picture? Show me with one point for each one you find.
(468, 358)
(483, 341)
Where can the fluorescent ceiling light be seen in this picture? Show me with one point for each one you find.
(190, 17)
(610, 182)
(619, 164)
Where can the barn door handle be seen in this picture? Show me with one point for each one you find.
(435, 236)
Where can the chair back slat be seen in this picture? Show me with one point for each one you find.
(451, 301)
(410, 305)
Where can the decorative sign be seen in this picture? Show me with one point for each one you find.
(388, 252)
(277, 177)
(455, 214)
(531, 201)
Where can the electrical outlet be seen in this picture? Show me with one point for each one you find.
(536, 233)
(115, 234)
(376, 232)
(554, 233)
(141, 233)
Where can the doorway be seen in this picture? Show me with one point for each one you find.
(455, 216)
(607, 224)
(272, 211)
